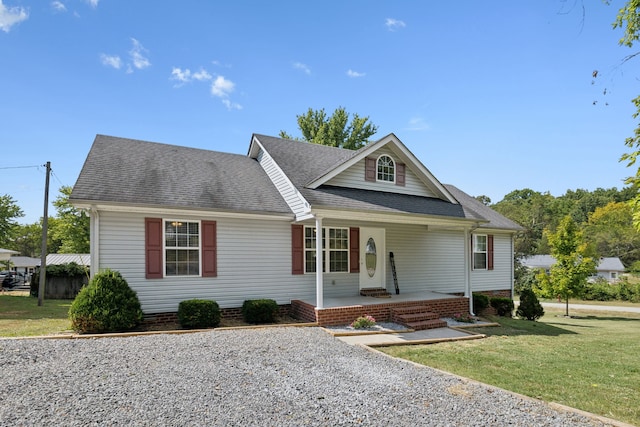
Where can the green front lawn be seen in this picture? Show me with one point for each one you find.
(589, 362)
(20, 316)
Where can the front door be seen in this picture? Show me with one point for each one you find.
(372, 258)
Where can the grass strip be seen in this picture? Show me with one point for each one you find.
(20, 316)
(589, 362)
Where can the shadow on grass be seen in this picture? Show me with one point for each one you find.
(515, 327)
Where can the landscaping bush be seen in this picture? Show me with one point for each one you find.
(363, 322)
(106, 304)
(627, 291)
(600, 290)
(480, 303)
(198, 313)
(258, 311)
(529, 307)
(504, 306)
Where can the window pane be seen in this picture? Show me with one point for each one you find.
(182, 240)
(171, 255)
(310, 261)
(194, 241)
(338, 261)
(480, 261)
(193, 228)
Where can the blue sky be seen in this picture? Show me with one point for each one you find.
(491, 96)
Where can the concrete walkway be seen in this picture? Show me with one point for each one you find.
(428, 336)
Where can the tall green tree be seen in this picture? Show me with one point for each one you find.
(9, 212)
(335, 130)
(628, 19)
(567, 278)
(533, 211)
(610, 229)
(71, 227)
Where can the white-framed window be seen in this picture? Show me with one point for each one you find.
(181, 248)
(480, 251)
(386, 169)
(335, 247)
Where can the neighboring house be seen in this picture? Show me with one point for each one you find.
(58, 259)
(609, 268)
(24, 264)
(183, 223)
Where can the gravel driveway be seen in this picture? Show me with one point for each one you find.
(262, 377)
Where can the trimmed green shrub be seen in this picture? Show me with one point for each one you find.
(480, 302)
(259, 311)
(504, 306)
(106, 304)
(529, 307)
(198, 313)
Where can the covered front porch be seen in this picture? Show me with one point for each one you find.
(344, 310)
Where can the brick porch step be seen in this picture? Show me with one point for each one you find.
(427, 324)
(374, 292)
(417, 317)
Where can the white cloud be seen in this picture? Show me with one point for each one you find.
(111, 60)
(418, 124)
(222, 88)
(301, 66)
(202, 75)
(137, 54)
(394, 24)
(93, 3)
(186, 76)
(58, 6)
(352, 73)
(10, 16)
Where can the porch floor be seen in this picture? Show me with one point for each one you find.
(358, 300)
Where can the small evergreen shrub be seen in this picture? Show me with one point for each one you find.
(529, 307)
(504, 306)
(258, 311)
(198, 313)
(106, 304)
(480, 303)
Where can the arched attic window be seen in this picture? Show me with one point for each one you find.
(386, 169)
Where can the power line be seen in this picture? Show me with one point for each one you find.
(20, 167)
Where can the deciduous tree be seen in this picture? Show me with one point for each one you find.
(335, 130)
(71, 227)
(574, 263)
(9, 212)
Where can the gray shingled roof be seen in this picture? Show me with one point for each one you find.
(304, 162)
(546, 261)
(127, 171)
(475, 209)
(368, 200)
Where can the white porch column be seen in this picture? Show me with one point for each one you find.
(94, 241)
(319, 255)
(467, 269)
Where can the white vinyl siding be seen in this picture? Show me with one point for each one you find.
(289, 193)
(353, 177)
(254, 261)
(501, 277)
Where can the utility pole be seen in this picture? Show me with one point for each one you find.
(45, 224)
